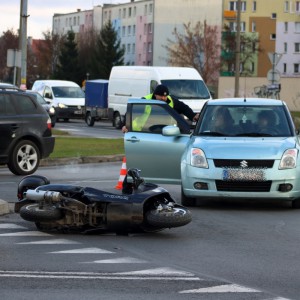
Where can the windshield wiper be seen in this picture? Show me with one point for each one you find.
(254, 134)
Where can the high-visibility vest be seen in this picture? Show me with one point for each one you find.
(139, 122)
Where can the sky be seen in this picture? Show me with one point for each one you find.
(41, 12)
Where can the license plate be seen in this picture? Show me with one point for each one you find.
(244, 174)
(78, 112)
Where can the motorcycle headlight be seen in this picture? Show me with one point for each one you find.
(198, 158)
(289, 159)
(61, 105)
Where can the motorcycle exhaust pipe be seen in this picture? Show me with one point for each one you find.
(43, 195)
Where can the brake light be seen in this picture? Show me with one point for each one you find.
(49, 125)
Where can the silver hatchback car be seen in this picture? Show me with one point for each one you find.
(241, 148)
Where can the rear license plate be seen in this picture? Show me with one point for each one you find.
(78, 112)
(244, 175)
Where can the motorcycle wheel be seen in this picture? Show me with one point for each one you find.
(176, 217)
(33, 213)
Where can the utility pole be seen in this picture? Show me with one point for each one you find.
(23, 44)
(237, 51)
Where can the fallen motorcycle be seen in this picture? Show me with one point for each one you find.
(146, 207)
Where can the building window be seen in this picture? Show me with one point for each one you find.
(150, 9)
(123, 31)
(134, 11)
(120, 13)
(128, 48)
(273, 36)
(124, 13)
(297, 27)
(133, 48)
(284, 68)
(286, 27)
(296, 68)
(150, 27)
(129, 12)
(144, 48)
(129, 30)
(133, 30)
(145, 10)
(254, 6)
(273, 16)
(286, 6)
(145, 28)
(297, 47)
(252, 67)
(233, 5)
(253, 25)
(285, 47)
(150, 47)
(297, 6)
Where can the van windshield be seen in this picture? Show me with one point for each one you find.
(67, 92)
(187, 89)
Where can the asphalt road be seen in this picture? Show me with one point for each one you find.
(229, 251)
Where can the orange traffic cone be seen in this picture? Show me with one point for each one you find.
(123, 173)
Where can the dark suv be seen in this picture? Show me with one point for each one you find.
(25, 131)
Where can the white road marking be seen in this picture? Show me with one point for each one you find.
(88, 275)
(26, 233)
(10, 226)
(121, 260)
(49, 242)
(85, 251)
(226, 288)
(158, 271)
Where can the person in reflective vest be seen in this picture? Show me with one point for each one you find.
(161, 93)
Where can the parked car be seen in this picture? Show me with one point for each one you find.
(25, 130)
(238, 160)
(65, 96)
(48, 107)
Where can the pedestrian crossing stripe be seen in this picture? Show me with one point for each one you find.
(84, 251)
(226, 288)
(158, 271)
(11, 226)
(49, 242)
(120, 260)
(25, 233)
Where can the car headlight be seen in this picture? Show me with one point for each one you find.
(198, 158)
(52, 110)
(61, 105)
(289, 159)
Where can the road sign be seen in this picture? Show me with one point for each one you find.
(273, 76)
(13, 58)
(274, 57)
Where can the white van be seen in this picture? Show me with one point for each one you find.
(138, 81)
(66, 97)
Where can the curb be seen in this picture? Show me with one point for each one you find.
(5, 206)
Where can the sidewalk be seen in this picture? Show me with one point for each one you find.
(6, 208)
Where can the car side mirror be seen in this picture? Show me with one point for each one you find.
(171, 131)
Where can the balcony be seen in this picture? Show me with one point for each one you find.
(229, 14)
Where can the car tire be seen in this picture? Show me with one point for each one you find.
(187, 201)
(296, 204)
(89, 120)
(117, 122)
(25, 158)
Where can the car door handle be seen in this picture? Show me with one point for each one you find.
(133, 139)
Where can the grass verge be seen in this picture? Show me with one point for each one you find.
(78, 147)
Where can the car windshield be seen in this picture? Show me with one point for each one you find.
(252, 121)
(187, 89)
(68, 92)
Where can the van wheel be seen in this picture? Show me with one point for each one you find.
(117, 122)
(90, 121)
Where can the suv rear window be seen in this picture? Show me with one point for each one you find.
(25, 104)
(6, 106)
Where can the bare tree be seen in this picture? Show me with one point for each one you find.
(8, 40)
(197, 47)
